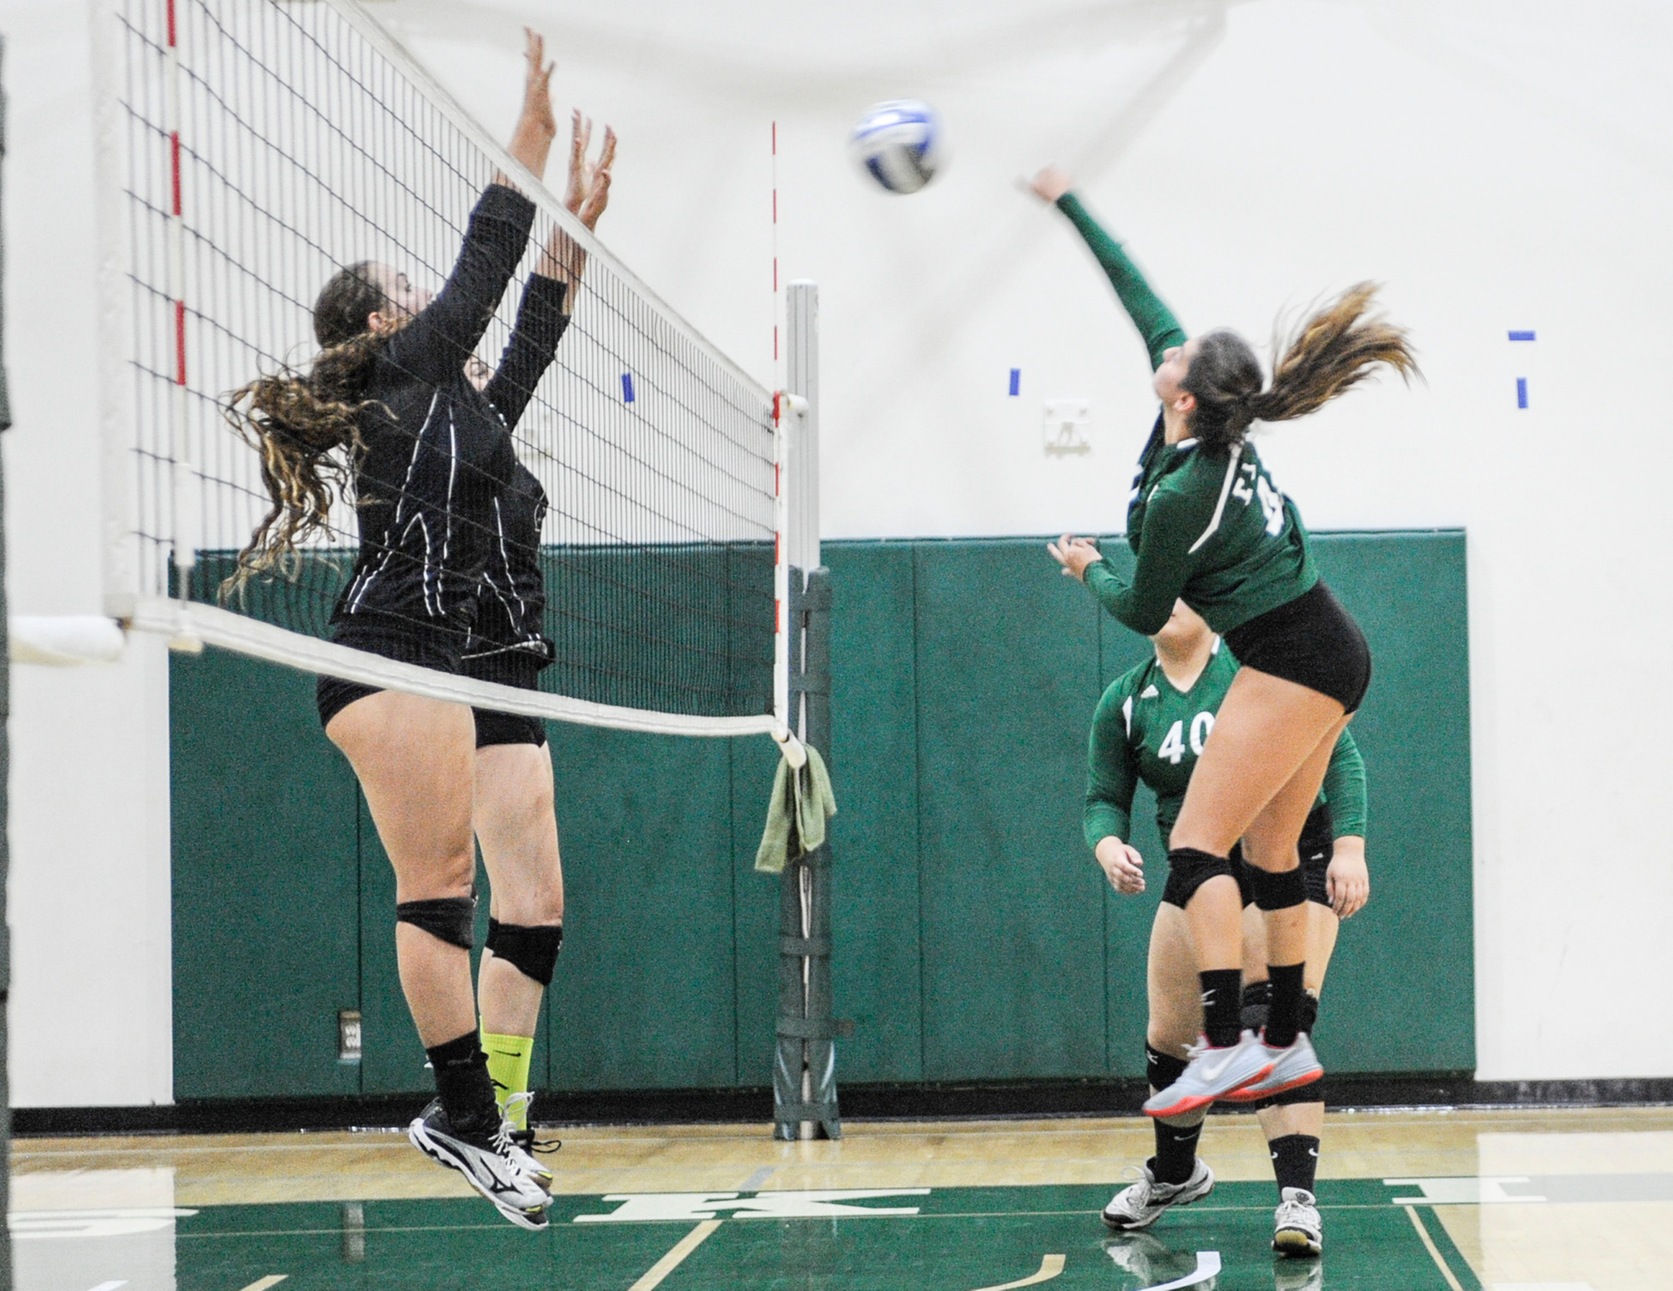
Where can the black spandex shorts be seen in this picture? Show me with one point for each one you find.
(1311, 641)
(509, 668)
(393, 639)
(1317, 846)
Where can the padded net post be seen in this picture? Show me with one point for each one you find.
(804, 1068)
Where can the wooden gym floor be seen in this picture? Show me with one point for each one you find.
(1571, 1200)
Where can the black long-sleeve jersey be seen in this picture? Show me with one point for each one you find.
(438, 454)
(507, 644)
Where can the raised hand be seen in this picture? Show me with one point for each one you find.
(588, 191)
(531, 139)
(1050, 183)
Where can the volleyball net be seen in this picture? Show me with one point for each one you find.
(250, 150)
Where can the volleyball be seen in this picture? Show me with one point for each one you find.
(898, 143)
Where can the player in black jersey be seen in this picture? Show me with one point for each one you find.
(386, 405)
(1207, 525)
(516, 820)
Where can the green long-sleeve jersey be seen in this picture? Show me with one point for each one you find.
(1147, 731)
(1208, 527)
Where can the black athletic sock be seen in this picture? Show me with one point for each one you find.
(1222, 1002)
(1295, 1161)
(1176, 1152)
(1284, 1020)
(467, 1095)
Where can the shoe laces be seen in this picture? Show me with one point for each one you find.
(533, 1145)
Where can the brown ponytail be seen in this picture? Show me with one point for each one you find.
(1330, 353)
(299, 422)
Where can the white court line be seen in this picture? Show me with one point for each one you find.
(1050, 1267)
(271, 1280)
(109, 1286)
(671, 1261)
(1434, 1250)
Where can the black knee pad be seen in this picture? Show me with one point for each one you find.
(1313, 1093)
(1188, 870)
(1257, 1003)
(532, 951)
(446, 919)
(1162, 1068)
(1278, 891)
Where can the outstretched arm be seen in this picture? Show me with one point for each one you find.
(549, 297)
(1155, 321)
(435, 345)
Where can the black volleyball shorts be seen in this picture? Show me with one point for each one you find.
(1311, 641)
(393, 639)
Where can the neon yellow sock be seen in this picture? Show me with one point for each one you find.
(508, 1068)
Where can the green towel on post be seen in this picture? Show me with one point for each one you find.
(802, 803)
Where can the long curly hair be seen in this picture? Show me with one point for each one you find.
(1333, 351)
(304, 425)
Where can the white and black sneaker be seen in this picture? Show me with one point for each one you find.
(1297, 1229)
(488, 1160)
(1139, 1204)
(524, 1146)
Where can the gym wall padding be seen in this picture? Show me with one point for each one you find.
(975, 938)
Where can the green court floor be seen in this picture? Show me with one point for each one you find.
(946, 1239)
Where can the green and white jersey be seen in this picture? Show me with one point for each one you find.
(1145, 730)
(1209, 528)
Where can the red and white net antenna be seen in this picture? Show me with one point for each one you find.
(184, 489)
(778, 371)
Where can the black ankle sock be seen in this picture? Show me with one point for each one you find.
(1284, 1019)
(1222, 1003)
(1176, 1152)
(467, 1095)
(1295, 1161)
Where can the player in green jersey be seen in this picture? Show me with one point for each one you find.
(1150, 727)
(1206, 525)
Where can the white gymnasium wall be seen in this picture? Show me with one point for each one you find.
(1499, 165)
(90, 1012)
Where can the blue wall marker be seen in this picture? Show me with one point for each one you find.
(627, 387)
(1521, 382)
(1016, 382)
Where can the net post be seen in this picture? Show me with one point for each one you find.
(804, 1070)
(5, 765)
(116, 331)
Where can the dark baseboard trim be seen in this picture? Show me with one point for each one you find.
(1017, 1099)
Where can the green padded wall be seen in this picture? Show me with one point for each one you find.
(975, 938)
(1012, 921)
(877, 977)
(266, 890)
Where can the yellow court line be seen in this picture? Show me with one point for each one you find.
(671, 1261)
(1050, 1267)
(271, 1280)
(1434, 1250)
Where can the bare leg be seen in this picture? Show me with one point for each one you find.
(516, 824)
(1268, 732)
(413, 756)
